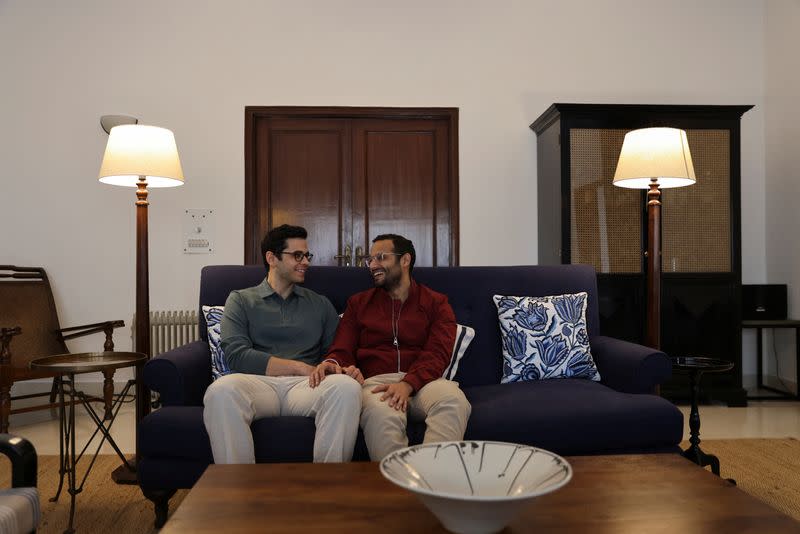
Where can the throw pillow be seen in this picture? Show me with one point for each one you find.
(464, 336)
(213, 315)
(545, 337)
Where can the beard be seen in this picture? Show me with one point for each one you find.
(390, 279)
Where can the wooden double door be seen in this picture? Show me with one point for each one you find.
(350, 174)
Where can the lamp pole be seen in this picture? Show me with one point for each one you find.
(123, 475)
(142, 301)
(653, 334)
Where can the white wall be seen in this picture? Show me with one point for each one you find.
(782, 132)
(193, 67)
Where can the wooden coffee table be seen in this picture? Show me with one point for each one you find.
(608, 494)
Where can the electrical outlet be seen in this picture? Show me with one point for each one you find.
(198, 231)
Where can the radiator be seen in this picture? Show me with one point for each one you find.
(169, 330)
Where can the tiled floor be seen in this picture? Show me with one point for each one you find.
(41, 426)
(760, 419)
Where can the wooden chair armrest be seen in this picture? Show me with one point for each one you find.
(96, 327)
(106, 327)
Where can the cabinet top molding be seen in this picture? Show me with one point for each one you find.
(647, 114)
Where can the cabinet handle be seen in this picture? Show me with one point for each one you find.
(346, 256)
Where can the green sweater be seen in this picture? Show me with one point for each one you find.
(258, 324)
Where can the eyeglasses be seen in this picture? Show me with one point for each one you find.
(299, 255)
(380, 256)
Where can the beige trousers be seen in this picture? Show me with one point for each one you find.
(234, 401)
(441, 404)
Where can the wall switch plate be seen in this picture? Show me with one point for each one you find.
(198, 226)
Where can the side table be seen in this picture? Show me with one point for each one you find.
(695, 367)
(67, 365)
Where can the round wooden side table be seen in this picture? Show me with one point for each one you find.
(695, 366)
(68, 365)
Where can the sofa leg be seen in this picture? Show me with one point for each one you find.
(160, 498)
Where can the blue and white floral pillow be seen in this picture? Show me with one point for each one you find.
(219, 367)
(545, 337)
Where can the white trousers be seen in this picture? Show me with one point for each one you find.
(234, 401)
(441, 404)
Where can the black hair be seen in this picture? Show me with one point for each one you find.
(401, 246)
(275, 240)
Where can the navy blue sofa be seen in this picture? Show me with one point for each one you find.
(620, 414)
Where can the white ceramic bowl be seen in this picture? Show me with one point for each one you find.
(476, 487)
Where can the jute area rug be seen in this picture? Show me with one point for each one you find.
(767, 469)
(102, 507)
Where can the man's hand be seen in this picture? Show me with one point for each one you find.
(284, 367)
(319, 372)
(353, 372)
(397, 394)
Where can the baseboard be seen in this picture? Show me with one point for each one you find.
(773, 381)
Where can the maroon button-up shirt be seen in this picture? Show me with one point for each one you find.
(426, 331)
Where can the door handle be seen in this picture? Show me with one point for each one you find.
(360, 256)
(346, 256)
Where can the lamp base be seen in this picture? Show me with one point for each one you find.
(124, 475)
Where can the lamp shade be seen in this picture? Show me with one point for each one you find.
(135, 150)
(660, 153)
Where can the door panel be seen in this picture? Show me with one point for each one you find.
(696, 220)
(605, 220)
(398, 178)
(309, 182)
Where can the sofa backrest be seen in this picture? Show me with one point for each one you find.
(469, 290)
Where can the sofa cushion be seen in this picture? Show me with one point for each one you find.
(179, 432)
(545, 337)
(19, 510)
(572, 416)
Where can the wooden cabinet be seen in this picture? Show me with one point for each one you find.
(583, 218)
(350, 174)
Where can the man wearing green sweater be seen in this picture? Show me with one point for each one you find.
(273, 337)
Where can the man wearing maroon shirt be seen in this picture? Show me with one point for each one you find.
(400, 335)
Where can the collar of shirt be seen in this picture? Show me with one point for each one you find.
(411, 300)
(265, 290)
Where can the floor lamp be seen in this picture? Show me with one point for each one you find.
(653, 158)
(140, 156)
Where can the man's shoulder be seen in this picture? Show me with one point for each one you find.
(247, 293)
(433, 301)
(362, 296)
(431, 293)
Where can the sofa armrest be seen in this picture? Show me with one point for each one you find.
(180, 375)
(23, 460)
(629, 367)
